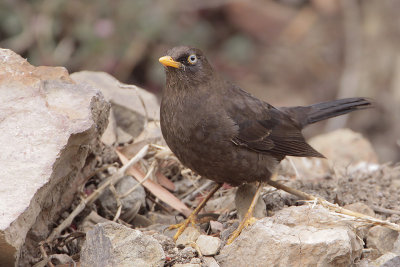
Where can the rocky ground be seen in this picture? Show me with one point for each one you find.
(77, 191)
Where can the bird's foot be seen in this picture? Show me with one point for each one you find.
(248, 220)
(192, 219)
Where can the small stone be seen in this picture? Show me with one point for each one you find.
(166, 242)
(112, 244)
(186, 265)
(195, 261)
(208, 245)
(382, 238)
(130, 204)
(188, 236)
(210, 262)
(216, 227)
(188, 253)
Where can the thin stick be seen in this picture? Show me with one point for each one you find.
(119, 197)
(147, 176)
(293, 166)
(97, 193)
(334, 207)
(119, 204)
(196, 191)
(383, 210)
(45, 257)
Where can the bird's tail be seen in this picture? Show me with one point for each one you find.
(325, 110)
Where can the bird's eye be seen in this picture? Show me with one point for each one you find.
(192, 59)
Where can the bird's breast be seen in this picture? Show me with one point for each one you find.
(201, 137)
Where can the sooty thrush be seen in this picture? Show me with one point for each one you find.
(224, 133)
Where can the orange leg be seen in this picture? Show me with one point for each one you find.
(248, 218)
(192, 217)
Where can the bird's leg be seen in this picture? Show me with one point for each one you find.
(192, 217)
(248, 219)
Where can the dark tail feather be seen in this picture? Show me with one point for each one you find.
(322, 111)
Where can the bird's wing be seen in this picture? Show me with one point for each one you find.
(265, 129)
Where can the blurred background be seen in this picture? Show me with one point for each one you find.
(287, 52)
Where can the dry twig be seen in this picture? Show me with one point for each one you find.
(97, 193)
(336, 208)
(383, 210)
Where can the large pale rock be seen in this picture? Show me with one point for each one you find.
(48, 126)
(127, 103)
(295, 236)
(112, 244)
(344, 150)
(344, 146)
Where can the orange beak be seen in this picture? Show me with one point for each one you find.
(167, 61)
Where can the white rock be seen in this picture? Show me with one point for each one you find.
(210, 262)
(48, 126)
(295, 236)
(209, 245)
(188, 236)
(112, 244)
(195, 261)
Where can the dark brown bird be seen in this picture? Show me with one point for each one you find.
(224, 133)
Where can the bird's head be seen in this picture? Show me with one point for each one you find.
(186, 65)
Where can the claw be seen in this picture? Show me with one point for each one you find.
(192, 217)
(183, 225)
